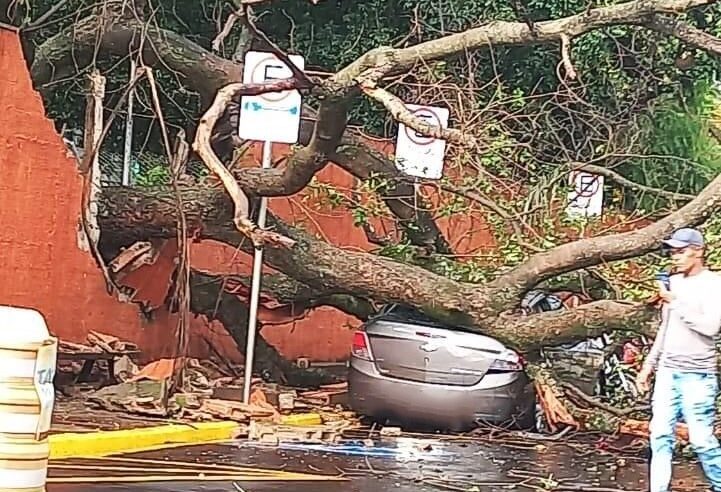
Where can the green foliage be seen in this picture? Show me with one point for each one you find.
(157, 175)
(678, 129)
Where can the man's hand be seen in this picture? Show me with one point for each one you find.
(642, 379)
(664, 294)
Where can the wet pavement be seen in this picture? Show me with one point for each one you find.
(402, 464)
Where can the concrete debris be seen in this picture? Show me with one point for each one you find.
(101, 359)
(276, 434)
(143, 397)
(327, 396)
(238, 411)
(391, 432)
(208, 393)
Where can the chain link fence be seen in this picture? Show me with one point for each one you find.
(145, 169)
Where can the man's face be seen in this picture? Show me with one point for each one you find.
(686, 259)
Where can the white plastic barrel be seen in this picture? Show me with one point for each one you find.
(28, 356)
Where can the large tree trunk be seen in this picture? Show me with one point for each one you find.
(127, 215)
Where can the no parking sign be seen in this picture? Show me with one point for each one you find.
(419, 155)
(273, 116)
(586, 195)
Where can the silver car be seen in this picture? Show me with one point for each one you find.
(405, 367)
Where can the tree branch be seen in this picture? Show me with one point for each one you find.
(368, 70)
(592, 251)
(397, 108)
(75, 47)
(202, 146)
(685, 32)
(227, 28)
(299, 296)
(40, 21)
(631, 185)
(582, 322)
(566, 57)
(206, 72)
(298, 74)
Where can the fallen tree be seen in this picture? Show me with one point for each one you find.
(131, 214)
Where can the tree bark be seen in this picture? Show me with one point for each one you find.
(111, 33)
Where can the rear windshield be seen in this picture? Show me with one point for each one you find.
(406, 312)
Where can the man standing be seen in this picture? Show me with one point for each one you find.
(684, 357)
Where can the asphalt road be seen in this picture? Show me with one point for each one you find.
(403, 465)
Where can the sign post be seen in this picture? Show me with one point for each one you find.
(128, 149)
(585, 199)
(416, 154)
(270, 117)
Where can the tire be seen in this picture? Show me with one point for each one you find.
(526, 419)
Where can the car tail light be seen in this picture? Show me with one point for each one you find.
(508, 360)
(361, 347)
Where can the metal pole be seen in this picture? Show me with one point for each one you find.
(129, 130)
(255, 285)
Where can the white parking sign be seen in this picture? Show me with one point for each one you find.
(416, 154)
(273, 116)
(586, 195)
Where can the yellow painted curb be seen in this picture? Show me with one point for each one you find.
(103, 443)
(302, 419)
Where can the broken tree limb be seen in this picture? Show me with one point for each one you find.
(206, 72)
(398, 109)
(592, 251)
(372, 67)
(578, 323)
(566, 57)
(300, 297)
(563, 408)
(631, 185)
(685, 32)
(202, 146)
(304, 81)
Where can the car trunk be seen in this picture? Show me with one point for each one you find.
(430, 354)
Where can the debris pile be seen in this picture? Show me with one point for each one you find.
(206, 391)
(101, 358)
(96, 342)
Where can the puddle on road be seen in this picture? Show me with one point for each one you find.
(414, 462)
(469, 462)
(399, 450)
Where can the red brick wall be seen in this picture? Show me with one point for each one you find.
(41, 265)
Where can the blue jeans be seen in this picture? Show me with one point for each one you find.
(691, 396)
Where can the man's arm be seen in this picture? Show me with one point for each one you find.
(651, 361)
(702, 315)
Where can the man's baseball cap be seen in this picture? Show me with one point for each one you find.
(685, 237)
